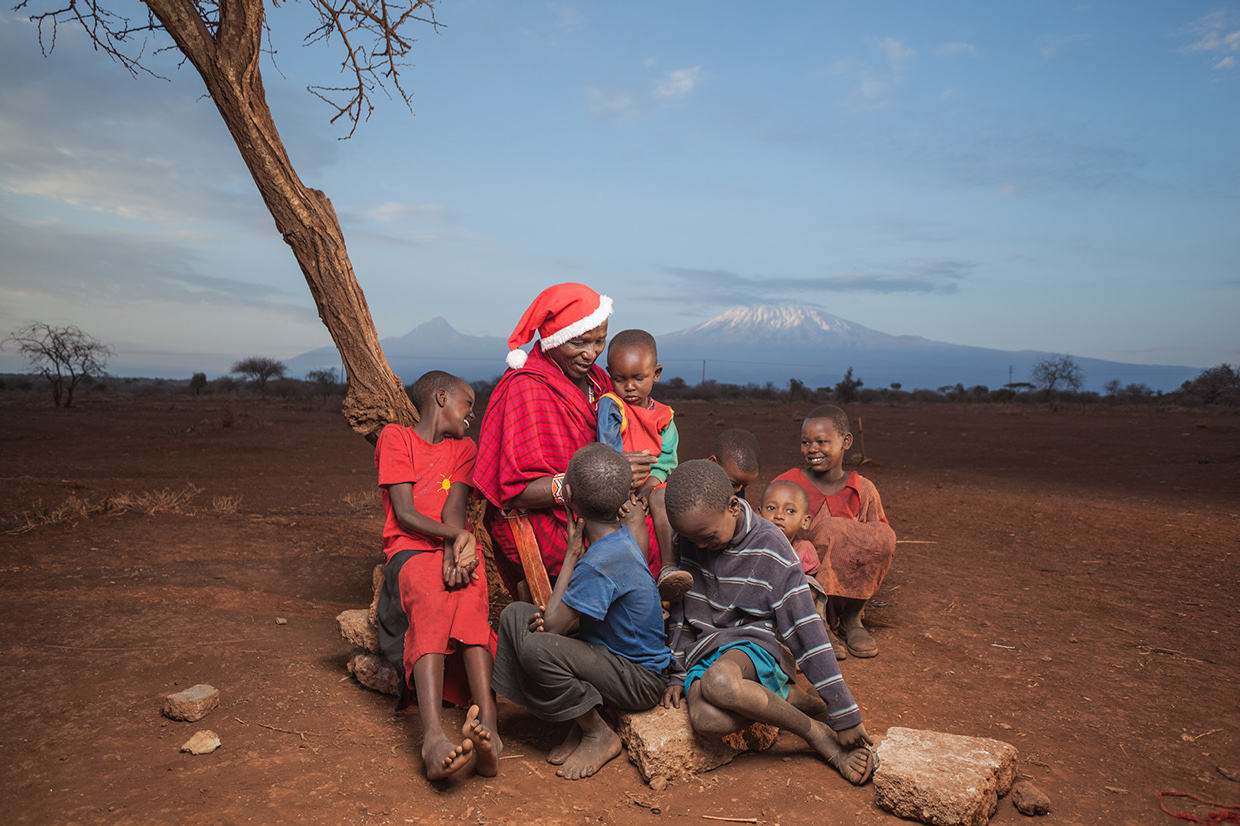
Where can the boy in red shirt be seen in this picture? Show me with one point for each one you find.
(433, 607)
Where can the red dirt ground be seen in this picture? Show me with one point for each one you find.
(1067, 583)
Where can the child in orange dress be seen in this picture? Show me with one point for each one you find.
(847, 526)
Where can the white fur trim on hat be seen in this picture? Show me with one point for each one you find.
(516, 359)
(575, 329)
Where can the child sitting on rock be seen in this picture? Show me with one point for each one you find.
(432, 613)
(847, 525)
(630, 421)
(749, 614)
(599, 640)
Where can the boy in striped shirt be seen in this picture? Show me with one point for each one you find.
(749, 595)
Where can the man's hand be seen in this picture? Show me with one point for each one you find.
(672, 695)
(851, 738)
(640, 461)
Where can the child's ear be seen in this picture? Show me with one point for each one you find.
(712, 459)
(848, 440)
(441, 397)
(734, 505)
(658, 371)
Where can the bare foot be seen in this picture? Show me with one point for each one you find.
(487, 744)
(593, 753)
(854, 766)
(442, 758)
(560, 753)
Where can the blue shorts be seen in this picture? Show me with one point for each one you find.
(770, 675)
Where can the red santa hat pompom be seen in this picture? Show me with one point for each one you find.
(558, 315)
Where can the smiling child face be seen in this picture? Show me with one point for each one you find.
(458, 408)
(633, 373)
(823, 446)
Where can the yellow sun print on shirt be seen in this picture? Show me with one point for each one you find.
(445, 484)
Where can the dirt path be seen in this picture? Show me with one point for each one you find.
(1066, 583)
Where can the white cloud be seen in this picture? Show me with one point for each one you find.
(678, 83)
(394, 212)
(619, 104)
(1228, 62)
(897, 53)
(956, 48)
(1217, 35)
(874, 85)
(947, 94)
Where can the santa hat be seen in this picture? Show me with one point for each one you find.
(559, 314)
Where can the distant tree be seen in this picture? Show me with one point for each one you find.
(324, 381)
(259, 369)
(1113, 387)
(197, 382)
(895, 385)
(1052, 373)
(796, 387)
(846, 389)
(1003, 395)
(62, 355)
(1214, 385)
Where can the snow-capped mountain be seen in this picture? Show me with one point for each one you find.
(764, 343)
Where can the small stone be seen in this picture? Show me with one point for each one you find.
(281, 621)
(658, 782)
(944, 779)
(204, 742)
(1115, 790)
(1229, 772)
(356, 628)
(375, 672)
(1029, 799)
(192, 704)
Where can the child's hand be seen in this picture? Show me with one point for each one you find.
(629, 504)
(672, 695)
(465, 553)
(576, 537)
(536, 621)
(852, 737)
(643, 492)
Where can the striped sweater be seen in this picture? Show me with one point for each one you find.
(755, 590)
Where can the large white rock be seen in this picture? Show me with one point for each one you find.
(943, 779)
(661, 742)
(356, 628)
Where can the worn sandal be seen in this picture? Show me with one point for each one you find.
(674, 584)
(859, 641)
(837, 763)
(841, 650)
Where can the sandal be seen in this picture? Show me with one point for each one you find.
(841, 650)
(674, 584)
(837, 763)
(859, 642)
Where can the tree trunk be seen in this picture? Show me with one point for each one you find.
(229, 65)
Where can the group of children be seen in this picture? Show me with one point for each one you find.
(745, 597)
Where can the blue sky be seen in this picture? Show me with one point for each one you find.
(1028, 175)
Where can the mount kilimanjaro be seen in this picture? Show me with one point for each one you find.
(769, 343)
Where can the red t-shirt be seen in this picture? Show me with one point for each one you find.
(401, 455)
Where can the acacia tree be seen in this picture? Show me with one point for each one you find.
(260, 369)
(1051, 373)
(222, 39)
(62, 355)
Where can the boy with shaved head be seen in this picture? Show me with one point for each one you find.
(749, 595)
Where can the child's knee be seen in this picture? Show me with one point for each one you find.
(719, 685)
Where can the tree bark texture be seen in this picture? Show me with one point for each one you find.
(229, 66)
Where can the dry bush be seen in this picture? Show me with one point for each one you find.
(155, 501)
(150, 503)
(367, 500)
(225, 504)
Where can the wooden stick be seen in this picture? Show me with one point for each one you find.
(731, 819)
(861, 441)
(531, 559)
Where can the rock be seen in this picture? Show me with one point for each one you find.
(374, 672)
(661, 742)
(356, 628)
(192, 704)
(1029, 799)
(204, 742)
(281, 621)
(944, 779)
(376, 585)
(658, 782)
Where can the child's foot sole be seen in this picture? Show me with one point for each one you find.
(487, 745)
(674, 584)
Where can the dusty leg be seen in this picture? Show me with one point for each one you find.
(481, 724)
(572, 740)
(730, 685)
(599, 744)
(441, 756)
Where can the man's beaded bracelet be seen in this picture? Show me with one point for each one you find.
(557, 488)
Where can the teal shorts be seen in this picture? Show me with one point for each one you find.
(770, 675)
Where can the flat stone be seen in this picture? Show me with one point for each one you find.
(1029, 799)
(943, 779)
(374, 672)
(192, 704)
(662, 743)
(357, 629)
(376, 586)
(204, 742)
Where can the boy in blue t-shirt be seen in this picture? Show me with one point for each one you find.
(600, 637)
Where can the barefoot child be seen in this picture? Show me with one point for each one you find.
(600, 637)
(629, 420)
(433, 608)
(749, 595)
(847, 525)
